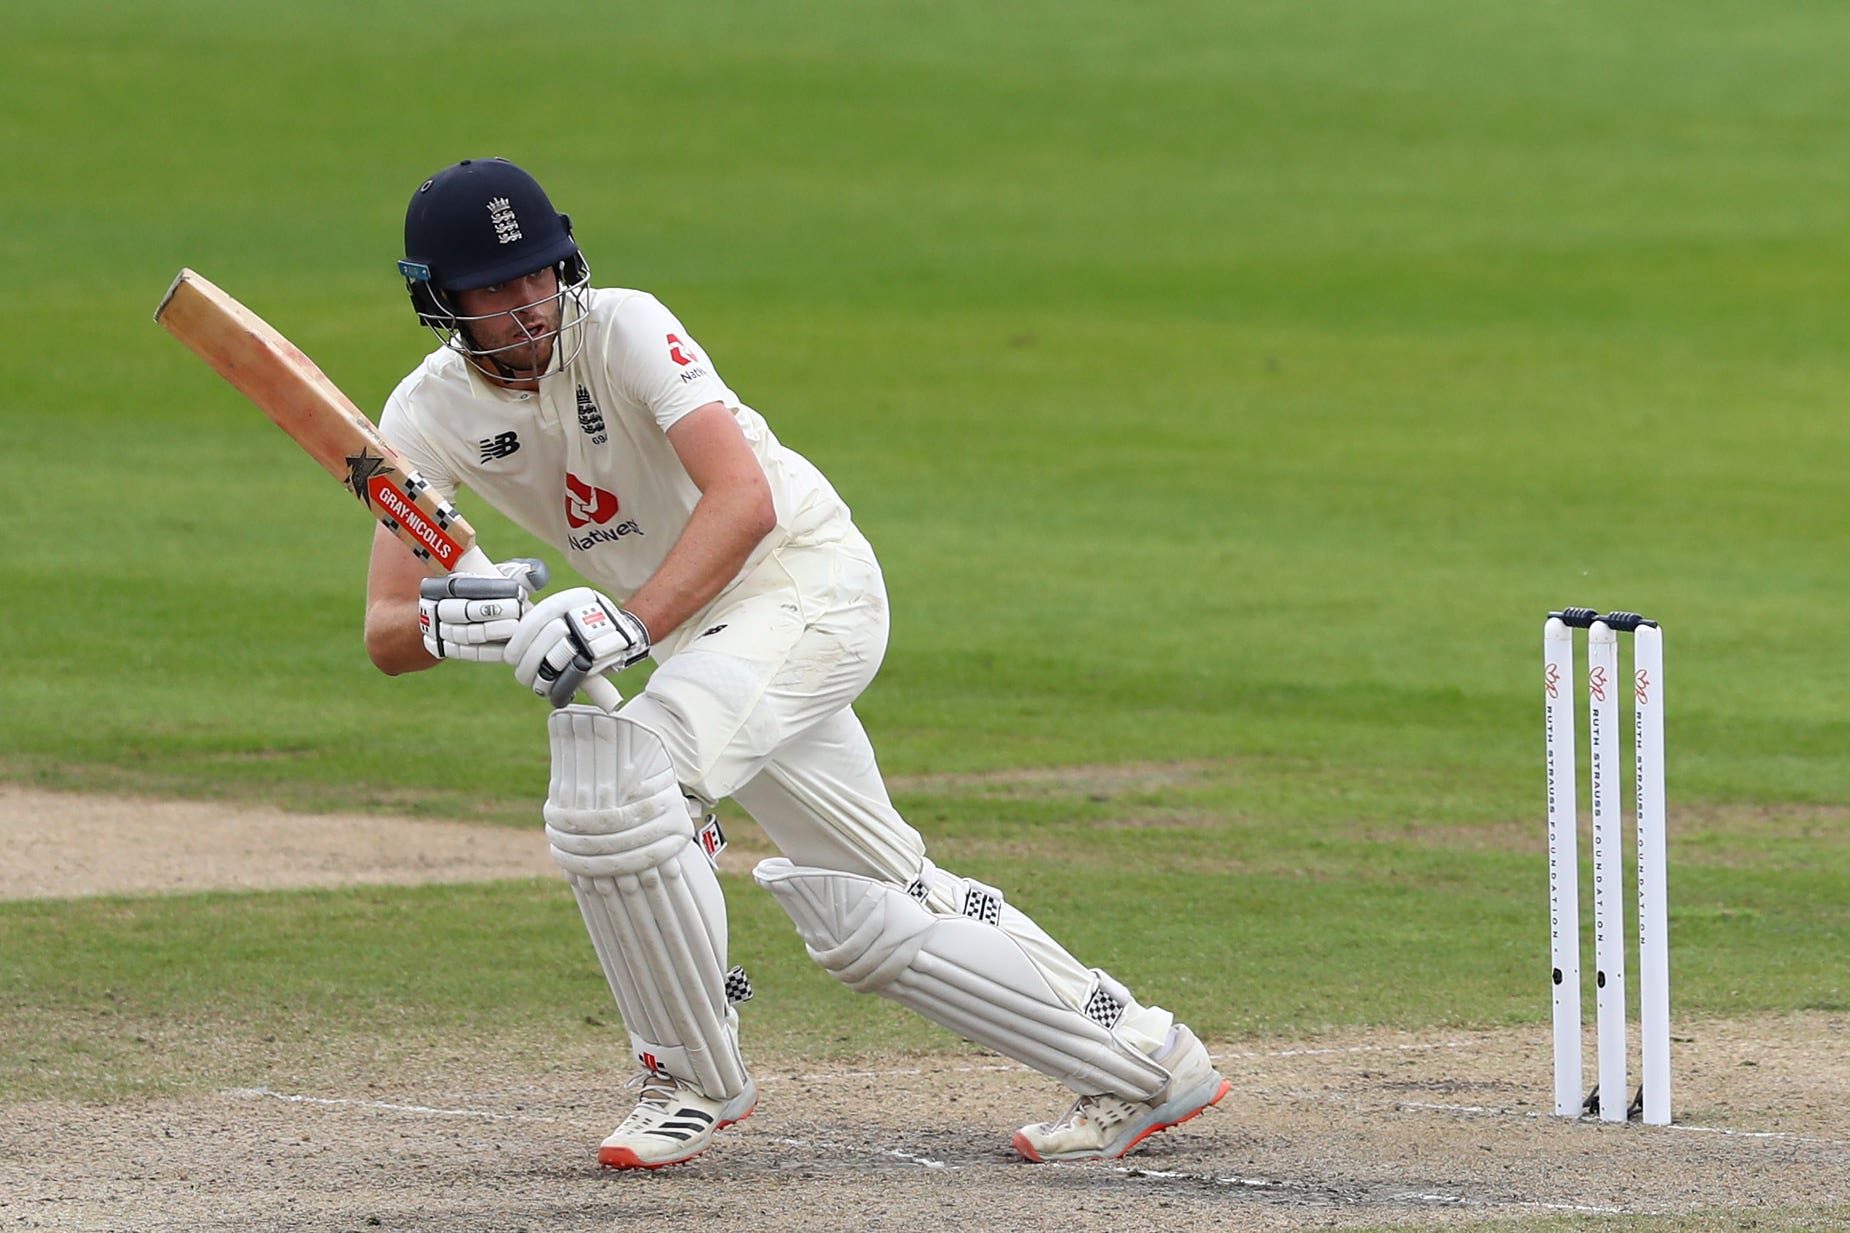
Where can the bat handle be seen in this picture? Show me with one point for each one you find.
(602, 693)
(598, 688)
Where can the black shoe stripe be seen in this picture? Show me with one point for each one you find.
(679, 1136)
(694, 1113)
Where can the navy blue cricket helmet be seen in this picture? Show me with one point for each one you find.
(477, 223)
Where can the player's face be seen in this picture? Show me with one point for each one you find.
(516, 321)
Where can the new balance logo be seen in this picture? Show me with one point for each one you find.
(495, 448)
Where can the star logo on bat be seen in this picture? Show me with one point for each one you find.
(362, 468)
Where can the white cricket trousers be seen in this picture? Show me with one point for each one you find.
(755, 702)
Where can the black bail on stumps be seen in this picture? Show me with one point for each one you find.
(1620, 622)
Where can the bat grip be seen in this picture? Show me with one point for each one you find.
(596, 687)
(602, 693)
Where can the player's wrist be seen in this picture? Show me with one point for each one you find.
(639, 630)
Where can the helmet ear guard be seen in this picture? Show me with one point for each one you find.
(424, 299)
(573, 269)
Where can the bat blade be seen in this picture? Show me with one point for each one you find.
(299, 398)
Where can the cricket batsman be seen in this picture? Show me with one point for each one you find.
(594, 419)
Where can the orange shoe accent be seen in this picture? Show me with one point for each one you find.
(1225, 1087)
(1025, 1148)
(623, 1158)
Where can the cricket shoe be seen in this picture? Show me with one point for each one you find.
(671, 1123)
(1106, 1127)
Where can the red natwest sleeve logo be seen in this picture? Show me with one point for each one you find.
(680, 352)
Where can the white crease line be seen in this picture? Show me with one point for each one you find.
(895, 1153)
(387, 1106)
(1255, 1183)
(1436, 1199)
(1757, 1134)
(1410, 1197)
(1493, 1111)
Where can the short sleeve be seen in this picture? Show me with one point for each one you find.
(659, 364)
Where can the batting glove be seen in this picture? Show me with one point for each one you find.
(465, 616)
(573, 635)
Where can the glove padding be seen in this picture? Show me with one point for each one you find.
(468, 616)
(570, 636)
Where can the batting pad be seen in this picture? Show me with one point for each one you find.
(619, 829)
(959, 972)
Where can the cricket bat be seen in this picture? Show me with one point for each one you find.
(299, 398)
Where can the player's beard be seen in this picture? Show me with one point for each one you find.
(518, 352)
(526, 362)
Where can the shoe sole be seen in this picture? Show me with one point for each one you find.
(624, 1158)
(1026, 1149)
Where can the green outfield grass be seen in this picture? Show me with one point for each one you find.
(1231, 386)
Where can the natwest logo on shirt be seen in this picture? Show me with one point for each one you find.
(586, 504)
(680, 352)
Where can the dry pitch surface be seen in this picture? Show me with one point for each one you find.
(1362, 1130)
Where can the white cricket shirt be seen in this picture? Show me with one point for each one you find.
(584, 463)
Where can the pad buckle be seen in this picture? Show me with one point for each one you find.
(711, 838)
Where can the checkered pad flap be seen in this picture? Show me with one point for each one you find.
(1102, 1008)
(738, 986)
(983, 903)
